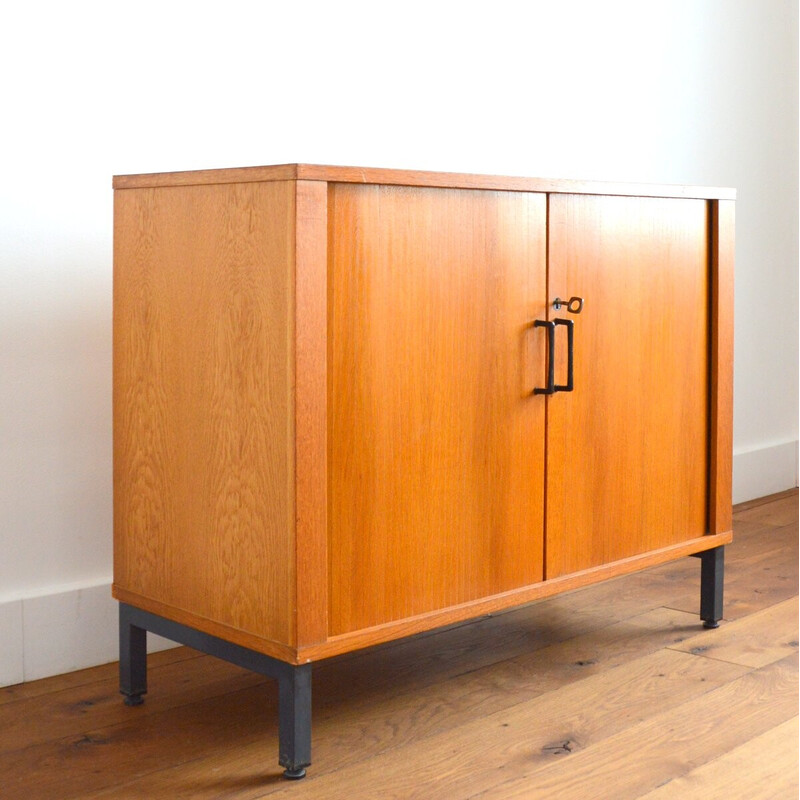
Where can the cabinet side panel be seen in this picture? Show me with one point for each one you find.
(203, 402)
(436, 444)
(628, 448)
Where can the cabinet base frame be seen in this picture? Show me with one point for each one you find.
(294, 681)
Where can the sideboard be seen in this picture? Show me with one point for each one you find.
(355, 404)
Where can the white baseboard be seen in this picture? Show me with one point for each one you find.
(61, 632)
(757, 473)
(11, 669)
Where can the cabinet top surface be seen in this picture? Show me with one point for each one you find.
(403, 177)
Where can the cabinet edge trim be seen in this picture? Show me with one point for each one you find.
(404, 177)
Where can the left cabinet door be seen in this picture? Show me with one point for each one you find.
(436, 442)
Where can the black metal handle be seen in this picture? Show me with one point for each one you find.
(569, 385)
(551, 356)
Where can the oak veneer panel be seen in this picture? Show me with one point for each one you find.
(436, 456)
(409, 177)
(456, 180)
(628, 448)
(203, 405)
(206, 177)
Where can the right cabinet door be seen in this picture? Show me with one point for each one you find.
(627, 449)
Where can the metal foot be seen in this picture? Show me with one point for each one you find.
(132, 658)
(294, 720)
(294, 681)
(133, 699)
(712, 574)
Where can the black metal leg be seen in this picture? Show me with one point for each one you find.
(294, 721)
(132, 659)
(294, 682)
(712, 573)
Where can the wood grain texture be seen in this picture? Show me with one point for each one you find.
(764, 768)
(784, 502)
(311, 411)
(530, 735)
(721, 441)
(207, 177)
(752, 642)
(627, 449)
(55, 714)
(710, 725)
(436, 453)
(203, 415)
(183, 734)
(407, 177)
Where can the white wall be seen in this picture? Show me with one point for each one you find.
(673, 91)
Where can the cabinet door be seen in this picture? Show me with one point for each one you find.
(436, 444)
(628, 448)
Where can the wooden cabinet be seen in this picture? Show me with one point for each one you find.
(326, 429)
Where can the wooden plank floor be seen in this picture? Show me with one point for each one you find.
(614, 691)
